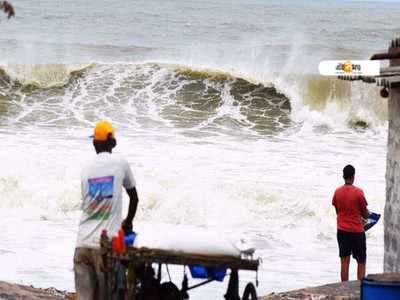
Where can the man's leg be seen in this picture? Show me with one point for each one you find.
(84, 275)
(360, 254)
(344, 254)
(360, 271)
(344, 268)
(101, 290)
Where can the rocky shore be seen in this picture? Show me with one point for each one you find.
(10, 291)
(338, 291)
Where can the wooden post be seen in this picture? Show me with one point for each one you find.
(392, 207)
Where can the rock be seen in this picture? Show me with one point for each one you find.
(10, 291)
(338, 291)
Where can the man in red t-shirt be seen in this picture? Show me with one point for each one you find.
(351, 208)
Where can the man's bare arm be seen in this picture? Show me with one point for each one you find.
(363, 206)
(365, 212)
(133, 202)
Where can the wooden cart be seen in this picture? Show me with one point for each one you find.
(136, 274)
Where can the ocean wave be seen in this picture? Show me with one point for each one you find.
(180, 96)
(42, 76)
(148, 94)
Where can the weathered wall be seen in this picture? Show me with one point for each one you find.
(392, 207)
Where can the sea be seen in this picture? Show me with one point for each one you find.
(220, 111)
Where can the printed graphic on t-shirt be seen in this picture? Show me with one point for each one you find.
(101, 192)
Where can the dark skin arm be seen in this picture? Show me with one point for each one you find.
(133, 202)
(365, 212)
(363, 207)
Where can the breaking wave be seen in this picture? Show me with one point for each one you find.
(190, 99)
(41, 76)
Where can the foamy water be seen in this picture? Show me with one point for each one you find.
(221, 117)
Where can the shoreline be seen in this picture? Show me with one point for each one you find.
(345, 291)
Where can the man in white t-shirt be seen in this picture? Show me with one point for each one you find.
(102, 180)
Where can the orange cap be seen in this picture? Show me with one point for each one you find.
(102, 130)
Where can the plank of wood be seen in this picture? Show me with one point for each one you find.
(180, 258)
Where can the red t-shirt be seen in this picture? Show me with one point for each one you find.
(349, 201)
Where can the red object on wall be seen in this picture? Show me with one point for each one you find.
(384, 93)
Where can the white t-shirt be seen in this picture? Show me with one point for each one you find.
(102, 181)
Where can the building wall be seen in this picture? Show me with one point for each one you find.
(392, 207)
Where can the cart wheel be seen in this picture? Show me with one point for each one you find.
(169, 291)
(249, 292)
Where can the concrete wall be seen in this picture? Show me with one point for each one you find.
(392, 207)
